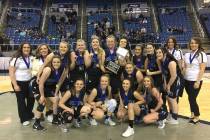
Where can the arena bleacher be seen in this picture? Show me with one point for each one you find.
(174, 20)
(40, 21)
(99, 19)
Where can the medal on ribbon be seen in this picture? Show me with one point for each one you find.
(27, 62)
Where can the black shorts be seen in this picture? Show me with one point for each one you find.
(34, 89)
(93, 78)
(65, 86)
(115, 83)
(158, 82)
(175, 89)
(162, 112)
(49, 92)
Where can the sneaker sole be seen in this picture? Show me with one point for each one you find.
(39, 130)
(129, 135)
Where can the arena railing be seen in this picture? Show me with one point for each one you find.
(7, 50)
(13, 47)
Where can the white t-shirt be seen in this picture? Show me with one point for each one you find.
(176, 53)
(22, 73)
(192, 70)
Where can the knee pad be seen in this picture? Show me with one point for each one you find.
(111, 105)
(162, 115)
(37, 97)
(33, 87)
(144, 110)
(40, 107)
(67, 117)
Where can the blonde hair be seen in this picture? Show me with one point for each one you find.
(81, 41)
(107, 76)
(100, 50)
(37, 52)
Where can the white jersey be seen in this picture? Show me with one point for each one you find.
(178, 55)
(193, 67)
(23, 72)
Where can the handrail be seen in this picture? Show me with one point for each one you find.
(154, 16)
(118, 21)
(197, 21)
(44, 17)
(82, 16)
(4, 13)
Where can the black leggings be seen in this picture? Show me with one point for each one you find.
(192, 95)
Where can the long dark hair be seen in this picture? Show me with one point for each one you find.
(198, 41)
(127, 44)
(19, 52)
(150, 43)
(142, 48)
(151, 80)
(174, 41)
(130, 89)
(73, 90)
(55, 56)
(171, 57)
(167, 54)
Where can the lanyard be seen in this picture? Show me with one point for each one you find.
(103, 94)
(152, 63)
(112, 55)
(25, 61)
(192, 56)
(80, 59)
(173, 51)
(95, 57)
(139, 62)
(126, 97)
(42, 59)
(56, 75)
(164, 67)
(64, 60)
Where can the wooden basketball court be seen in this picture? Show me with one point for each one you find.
(184, 109)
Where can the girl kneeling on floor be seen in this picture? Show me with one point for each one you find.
(102, 103)
(154, 103)
(129, 105)
(74, 104)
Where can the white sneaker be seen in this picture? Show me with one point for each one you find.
(161, 124)
(93, 122)
(76, 124)
(50, 118)
(109, 122)
(173, 121)
(169, 117)
(64, 128)
(129, 131)
(26, 123)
